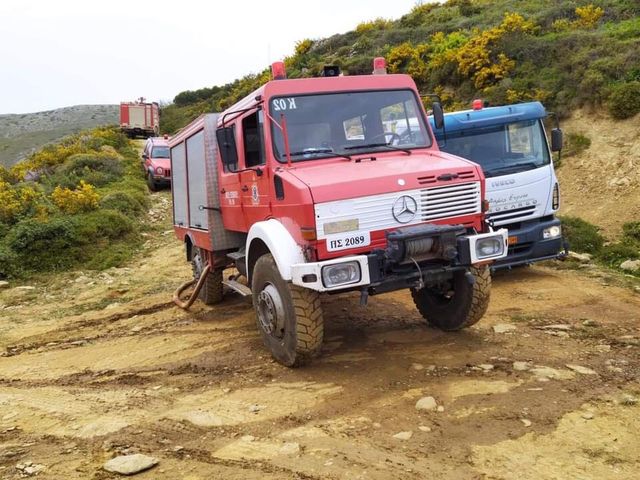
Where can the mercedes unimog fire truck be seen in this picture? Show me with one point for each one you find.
(304, 188)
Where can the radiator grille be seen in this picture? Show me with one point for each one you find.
(450, 201)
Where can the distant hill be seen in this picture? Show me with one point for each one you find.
(21, 134)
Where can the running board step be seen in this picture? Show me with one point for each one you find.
(238, 287)
(239, 255)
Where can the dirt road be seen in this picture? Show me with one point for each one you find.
(97, 365)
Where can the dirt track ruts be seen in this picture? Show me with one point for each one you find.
(101, 364)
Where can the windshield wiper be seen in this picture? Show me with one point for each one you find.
(516, 167)
(371, 145)
(316, 151)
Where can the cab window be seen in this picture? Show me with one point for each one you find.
(252, 135)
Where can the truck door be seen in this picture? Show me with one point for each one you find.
(229, 179)
(254, 187)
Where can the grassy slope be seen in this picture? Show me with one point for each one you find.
(566, 68)
(21, 134)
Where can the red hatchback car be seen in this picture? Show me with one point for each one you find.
(157, 164)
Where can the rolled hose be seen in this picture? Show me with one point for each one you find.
(200, 282)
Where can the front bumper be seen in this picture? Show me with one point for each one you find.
(531, 246)
(445, 250)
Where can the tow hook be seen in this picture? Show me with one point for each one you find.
(364, 297)
(470, 278)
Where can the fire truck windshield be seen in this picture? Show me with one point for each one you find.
(349, 123)
(502, 149)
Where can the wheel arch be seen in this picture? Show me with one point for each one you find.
(271, 236)
(188, 245)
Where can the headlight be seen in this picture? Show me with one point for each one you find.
(159, 170)
(489, 247)
(552, 232)
(341, 274)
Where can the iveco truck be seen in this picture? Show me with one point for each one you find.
(510, 144)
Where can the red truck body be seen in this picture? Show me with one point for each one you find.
(305, 187)
(140, 119)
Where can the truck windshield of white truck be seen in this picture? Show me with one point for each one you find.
(503, 149)
(342, 124)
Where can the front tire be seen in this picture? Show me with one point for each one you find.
(289, 317)
(151, 183)
(458, 304)
(211, 291)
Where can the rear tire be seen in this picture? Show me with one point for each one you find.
(461, 306)
(211, 291)
(289, 317)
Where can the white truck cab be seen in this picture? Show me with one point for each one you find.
(510, 144)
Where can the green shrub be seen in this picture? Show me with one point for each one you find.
(616, 253)
(9, 266)
(624, 101)
(95, 169)
(582, 235)
(63, 242)
(631, 231)
(575, 144)
(128, 203)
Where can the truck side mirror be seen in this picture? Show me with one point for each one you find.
(556, 140)
(226, 137)
(438, 115)
(145, 156)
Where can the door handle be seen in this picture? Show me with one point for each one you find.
(245, 188)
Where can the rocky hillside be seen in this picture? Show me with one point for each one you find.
(22, 134)
(602, 183)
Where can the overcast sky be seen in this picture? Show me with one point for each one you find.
(69, 52)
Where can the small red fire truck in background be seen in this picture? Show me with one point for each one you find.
(305, 187)
(140, 118)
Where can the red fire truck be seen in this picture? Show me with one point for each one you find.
(140, 118)
(328, 185)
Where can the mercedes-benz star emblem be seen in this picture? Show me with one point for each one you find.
(404, 209)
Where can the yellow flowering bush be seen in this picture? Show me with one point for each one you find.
(16, 200)
(479, 58)
(82, 199)
(588, 16)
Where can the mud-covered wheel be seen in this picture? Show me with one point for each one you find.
(457, 304)
(151, 183)
(211, 291)
(289, 317)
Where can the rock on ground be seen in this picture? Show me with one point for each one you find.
(426, 403)
(630, 265)
(521, 366)
(581, 370)
(504, 328)
(403, 435)
(581, 257)
(130, 464)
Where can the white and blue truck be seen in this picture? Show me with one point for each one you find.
(510, 144)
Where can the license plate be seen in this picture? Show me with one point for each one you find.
(513, 240)
(344, 241)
